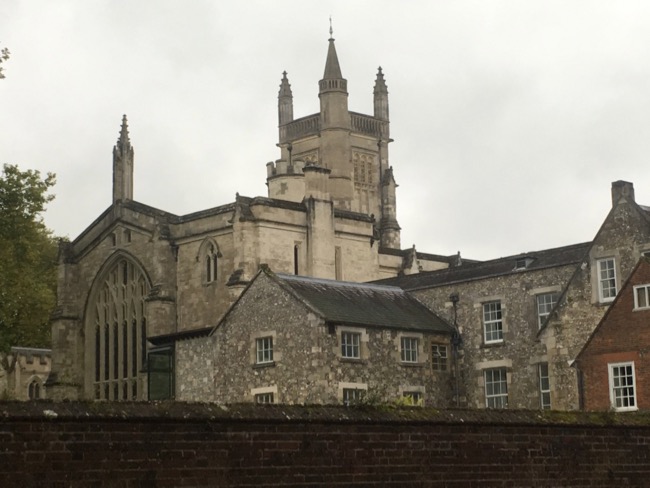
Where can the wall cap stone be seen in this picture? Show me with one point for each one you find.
(171, 411)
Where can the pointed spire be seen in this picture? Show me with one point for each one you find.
(123, 165)
(332, 78)
(123, 142)
(285, 101)
(381, 96)
(332, 67)
(285, 87)
(380, 83)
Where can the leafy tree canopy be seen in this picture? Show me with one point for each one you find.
(28, 255)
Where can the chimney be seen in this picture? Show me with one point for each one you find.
(622, 189)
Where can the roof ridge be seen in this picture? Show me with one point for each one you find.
(340, 283)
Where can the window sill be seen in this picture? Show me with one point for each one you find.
(492, 344)
(270, 364)
(352, 360)
(411, 365)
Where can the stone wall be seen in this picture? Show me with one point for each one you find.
(307, 366)
(520, 352)
(174, 444)
(195, 366)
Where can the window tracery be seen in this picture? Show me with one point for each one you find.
(119, 331)
(209, 256)
(364, 168)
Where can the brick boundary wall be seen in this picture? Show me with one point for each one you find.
(76, 444)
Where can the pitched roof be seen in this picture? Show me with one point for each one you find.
(364, 304)
(536, 260)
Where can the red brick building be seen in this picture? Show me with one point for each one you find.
(613, 365)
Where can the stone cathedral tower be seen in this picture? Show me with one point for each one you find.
(352, 146)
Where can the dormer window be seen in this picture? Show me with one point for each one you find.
(523, 263)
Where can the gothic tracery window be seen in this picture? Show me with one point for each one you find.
(364, 168)
(119, 332)
(210, 258)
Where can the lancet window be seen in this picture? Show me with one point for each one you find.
(120, 332)
(209, 258)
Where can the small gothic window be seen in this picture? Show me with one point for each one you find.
(34, 389)
(211, 263)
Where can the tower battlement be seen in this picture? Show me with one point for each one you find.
(286, 180)
(282, 167)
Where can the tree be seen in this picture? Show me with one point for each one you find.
(4, 56)
(28, 258)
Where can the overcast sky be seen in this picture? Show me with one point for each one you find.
(510, 119)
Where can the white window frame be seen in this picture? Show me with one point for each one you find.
(492, 321)
(259, 395)
(643, 291)
(544, 386)
(606, 268)
(265, 398)
(350, 345)
(409, 349)
(496, 398)
(353, 395)
(621, 398)
(264, 350)
(439, 357)
(545, 304)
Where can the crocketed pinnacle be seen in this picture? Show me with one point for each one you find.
(285, 87)
(123, 142)
(380, 83)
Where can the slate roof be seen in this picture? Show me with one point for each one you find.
(365, 304)
(549, 258)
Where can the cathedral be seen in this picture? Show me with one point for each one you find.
(306, 296)
(138, 272)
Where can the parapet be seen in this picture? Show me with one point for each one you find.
(286, 181)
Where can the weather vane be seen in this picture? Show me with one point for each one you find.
(331, 31)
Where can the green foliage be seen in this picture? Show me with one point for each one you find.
(4, 56)
(408, 401)
(28, 255)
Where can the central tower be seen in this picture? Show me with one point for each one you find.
(352, 146)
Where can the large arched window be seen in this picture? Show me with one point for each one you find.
(119, 331)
